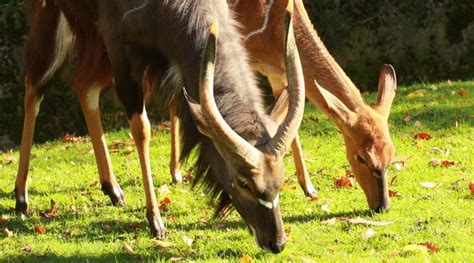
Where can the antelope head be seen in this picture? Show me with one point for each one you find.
(252, 171)
(369, 148)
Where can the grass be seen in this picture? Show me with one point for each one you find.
(90, 229)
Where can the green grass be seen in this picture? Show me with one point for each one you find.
(96, 231)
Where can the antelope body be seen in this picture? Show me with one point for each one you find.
(241, 150)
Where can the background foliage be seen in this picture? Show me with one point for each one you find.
(426, 40)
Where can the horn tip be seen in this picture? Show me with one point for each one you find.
(214, 27)
(289, 7)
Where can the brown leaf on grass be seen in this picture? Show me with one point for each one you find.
(471, 187)
(368, 234)
(447, 163)
(94, 182)
(7, 159)
(362, 221)
(438, 150)
(175, 258)
(128, 249)
(406, 118)
(430, 246)
(393, 193)
(344, 182)
(73, 138)
(463, 93)
(164, 204)
(4, 219)
(418, 123)
(244, 258)
(7, 233)
(52, 213)
(26, 249)
(423, 136)
(40, 230)
(325, 208)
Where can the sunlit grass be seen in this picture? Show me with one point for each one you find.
(90, 229)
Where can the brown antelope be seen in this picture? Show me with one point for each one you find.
(240, 158)
(369, 148)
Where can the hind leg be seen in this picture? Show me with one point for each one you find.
(32, 103)
(301, 172)
(89, 98)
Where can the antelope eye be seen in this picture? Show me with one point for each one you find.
(243, 184)
(360, 159)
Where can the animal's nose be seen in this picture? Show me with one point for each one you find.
(276, 247)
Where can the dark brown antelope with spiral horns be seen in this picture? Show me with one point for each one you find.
(240, 158)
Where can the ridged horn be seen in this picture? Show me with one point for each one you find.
(222, 133)
(287, 130)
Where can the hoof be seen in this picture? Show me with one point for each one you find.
(114, 192)
(311, 193)
(157, 228)
(177, 177)
(21, 205)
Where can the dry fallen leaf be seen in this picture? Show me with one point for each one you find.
(430, 246)
(368, 234)
(52, 213)
(325, 208)
(188, 241)
(406, 118)
(423, 136)
(7, 233)
(40, 230)
(418, 123)
(345, 181)
(164, 190)
(7, 159)
(175, 258)
(244, 258)
(435, 162)
(362, 221)
(94, 182)
(393, 193)
(4, 218)
(429, 184)
(73, 138)
(471, 187)
(164, 204)
(26, 249)
(463, 93)
(128, 249)
(447, 163)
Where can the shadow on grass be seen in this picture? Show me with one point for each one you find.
(111, 257)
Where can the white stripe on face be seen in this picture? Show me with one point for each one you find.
(270, 205)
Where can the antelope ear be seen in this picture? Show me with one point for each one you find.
(197, 114)
(335, 107)
(280, 109)
(386, 90)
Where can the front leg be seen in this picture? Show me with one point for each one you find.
(174, 160)
(301, 171)
(131, 95)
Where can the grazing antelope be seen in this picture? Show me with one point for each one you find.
(369, 148)
(240, 158)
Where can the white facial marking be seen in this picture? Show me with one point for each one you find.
(266, 204)
(276, 200)
(92, 98)
(22, 199)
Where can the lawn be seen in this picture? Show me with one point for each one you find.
(88, 228)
